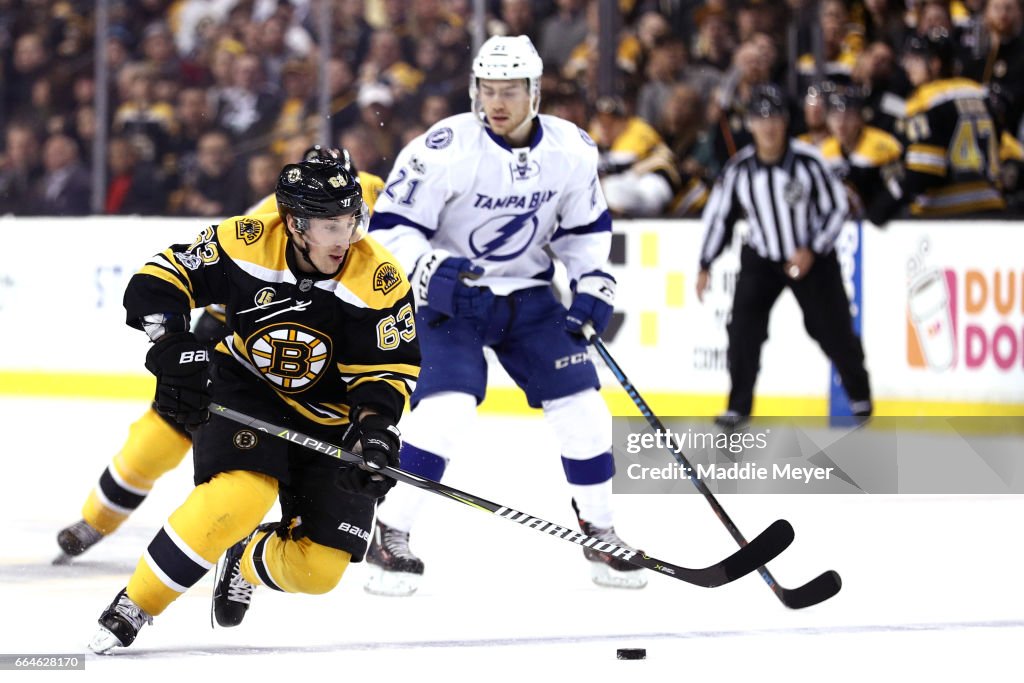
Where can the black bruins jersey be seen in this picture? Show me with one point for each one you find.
(323, 344)
(872, 169)
(952, 150)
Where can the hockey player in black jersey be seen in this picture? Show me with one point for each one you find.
(323, 339)
(951, 140)
(156, 444)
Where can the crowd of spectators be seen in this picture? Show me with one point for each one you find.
(208, 98)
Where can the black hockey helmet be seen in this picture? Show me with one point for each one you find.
(767, 100)
(843, 99)
(317, 189)
(334, 154)
(936, 43)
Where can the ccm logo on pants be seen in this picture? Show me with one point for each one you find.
(575, 359)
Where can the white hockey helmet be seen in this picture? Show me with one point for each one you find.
(507, 58)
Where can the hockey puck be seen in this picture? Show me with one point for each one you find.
(631, 653)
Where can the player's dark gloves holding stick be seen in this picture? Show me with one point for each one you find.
(179, 362)
(593, 301)
(377, 439)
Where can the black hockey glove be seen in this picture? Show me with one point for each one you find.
(378, 441)
(179, 363)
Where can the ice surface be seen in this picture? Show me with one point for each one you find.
(932, 585)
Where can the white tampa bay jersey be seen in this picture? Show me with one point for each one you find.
(461, 188)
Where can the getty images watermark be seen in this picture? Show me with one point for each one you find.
(734, 443)
(810, 455)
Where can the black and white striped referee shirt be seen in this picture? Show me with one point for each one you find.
(792, 204)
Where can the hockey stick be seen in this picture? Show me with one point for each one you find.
(766, 546)
(816, 590)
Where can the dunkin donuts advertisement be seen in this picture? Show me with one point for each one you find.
(955, 328)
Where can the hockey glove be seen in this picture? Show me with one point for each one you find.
(593, 300)
(438, 283)
(378, 441)
(179, 363)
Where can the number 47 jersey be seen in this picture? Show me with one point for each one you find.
(323, 343)
(461, 188)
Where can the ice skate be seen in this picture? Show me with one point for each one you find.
(394, 570)
(119, 624)
(232, 594)
(605, 570)
(732, 420)
(75, 540)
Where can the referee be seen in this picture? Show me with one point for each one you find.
(794, 209)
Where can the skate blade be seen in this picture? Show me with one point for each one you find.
(62, 559)
(392, 584)
(103, 642)
(606, 577)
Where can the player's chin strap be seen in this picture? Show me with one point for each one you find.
(814, 591)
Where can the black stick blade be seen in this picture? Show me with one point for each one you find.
(751, 557)
(818, 589)
(757, 553)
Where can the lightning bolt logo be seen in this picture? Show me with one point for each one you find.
(496, 238)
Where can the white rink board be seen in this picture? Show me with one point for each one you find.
(61, 282)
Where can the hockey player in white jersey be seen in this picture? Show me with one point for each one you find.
(469, 210)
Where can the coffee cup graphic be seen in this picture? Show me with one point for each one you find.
(928, 300)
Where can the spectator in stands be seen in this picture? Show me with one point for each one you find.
(159, 53)
(727, 111)
(561, 33)
(715, 43)
(376, 114)
(682, 127)
(516, 18)
(193, 117)
(247, 109)
(665, 67)
(433, 109)
(150, 124)
(221, 62)
(637, 170)
(883, 84)
(297, 99)
(438, 78)
(933, 16)
(386, 64)
(359, 144)
(998, 57)
(216, 187)
(840, 47)
(262, 171)
(351, 35)
(64, 189)
(341, 84)
(567, 101)
(883, 22)
(83, 130)
(20, 169)
(133, 187)
(30, 65)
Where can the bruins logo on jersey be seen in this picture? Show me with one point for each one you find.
(244, 440)
(248, 230)
(292, 357)
(386, 278)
